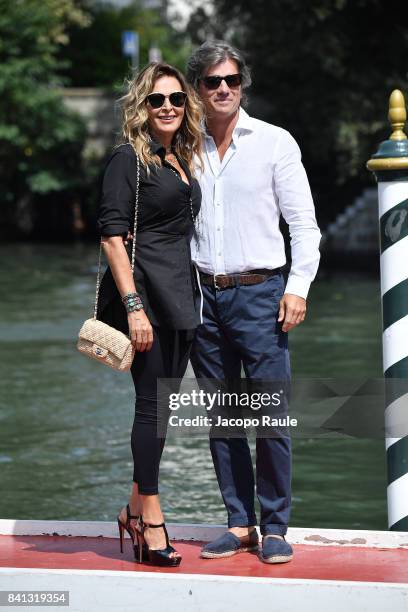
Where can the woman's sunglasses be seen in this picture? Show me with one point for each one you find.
(177, 98)
(213, 82)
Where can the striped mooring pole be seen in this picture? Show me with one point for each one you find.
(390, 166)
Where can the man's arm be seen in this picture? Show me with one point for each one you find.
(296, 204)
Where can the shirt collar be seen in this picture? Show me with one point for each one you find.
(244, 124)
(157, 148)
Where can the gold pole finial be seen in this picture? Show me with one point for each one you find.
(397, 115)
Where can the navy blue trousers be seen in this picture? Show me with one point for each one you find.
(240, 329)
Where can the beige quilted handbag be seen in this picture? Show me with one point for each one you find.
(98, 340)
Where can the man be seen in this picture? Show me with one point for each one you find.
(252, 174)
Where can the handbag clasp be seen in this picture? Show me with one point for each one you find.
(99, 351)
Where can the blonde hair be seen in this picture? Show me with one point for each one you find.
(188, 139)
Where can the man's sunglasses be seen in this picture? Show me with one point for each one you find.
(213, 82)
(177, 98)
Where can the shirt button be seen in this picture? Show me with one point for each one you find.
(218, 229)
(219, 254)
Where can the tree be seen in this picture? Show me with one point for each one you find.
(94, 53)
(40, 140)
(323, 69)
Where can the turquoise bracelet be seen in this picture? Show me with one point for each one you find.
(132, 302)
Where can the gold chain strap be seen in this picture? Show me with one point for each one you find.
(98, 276)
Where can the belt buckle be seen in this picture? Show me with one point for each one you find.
(215, 281)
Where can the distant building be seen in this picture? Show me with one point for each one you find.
(151, 4)
(170, 8)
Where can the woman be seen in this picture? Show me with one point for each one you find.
(158, 304)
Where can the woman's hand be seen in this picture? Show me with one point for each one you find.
(140, 330)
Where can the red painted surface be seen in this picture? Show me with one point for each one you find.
(310, 562)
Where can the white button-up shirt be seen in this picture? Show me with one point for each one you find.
(260, 177)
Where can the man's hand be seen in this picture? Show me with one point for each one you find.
(292, 311)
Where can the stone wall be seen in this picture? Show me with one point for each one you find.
(354, 234)
(101, 112)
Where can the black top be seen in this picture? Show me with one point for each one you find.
(163, 271)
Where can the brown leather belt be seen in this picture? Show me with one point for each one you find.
(250, 277)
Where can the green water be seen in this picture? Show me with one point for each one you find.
(65, 420)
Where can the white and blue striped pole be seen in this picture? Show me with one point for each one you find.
(390, 166)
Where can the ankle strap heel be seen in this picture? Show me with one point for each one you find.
(129, 528)
(160, 557)
(151, 526)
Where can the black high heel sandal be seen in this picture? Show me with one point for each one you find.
(160, 557)
(131, 531)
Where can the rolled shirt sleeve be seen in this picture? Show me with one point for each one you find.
(118, 195)
(296, 205)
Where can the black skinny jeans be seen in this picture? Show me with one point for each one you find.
(168, 358)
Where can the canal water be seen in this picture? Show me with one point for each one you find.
(65, 420)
